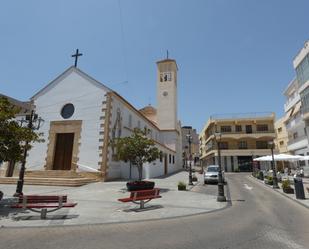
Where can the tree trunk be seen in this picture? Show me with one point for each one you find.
(140, 172)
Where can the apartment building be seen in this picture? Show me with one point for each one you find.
(281, 140)
(293, 120)
(301, 66)
(243, 137)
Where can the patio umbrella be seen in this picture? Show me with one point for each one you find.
(263, 158)
(304, 158)
(280, 157)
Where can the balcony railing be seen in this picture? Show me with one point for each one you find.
(291, 102)
(244, 132)
(242, 115)
(238, 148)
(295, 140)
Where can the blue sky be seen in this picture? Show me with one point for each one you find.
(234, 56)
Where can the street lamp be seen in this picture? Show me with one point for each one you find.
(220, 197)
(189, 137)
(33, 122)
(273, 166)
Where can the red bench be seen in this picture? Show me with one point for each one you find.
(142, 196)
(43, 202)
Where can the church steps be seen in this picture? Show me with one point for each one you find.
(53, 174)
(74, 182)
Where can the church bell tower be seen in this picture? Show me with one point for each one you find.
(167, 94)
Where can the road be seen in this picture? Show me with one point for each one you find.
(257, 218)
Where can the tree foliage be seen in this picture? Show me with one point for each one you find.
(12, 135)
(137, 149)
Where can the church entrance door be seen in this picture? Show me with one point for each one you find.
(63, 151)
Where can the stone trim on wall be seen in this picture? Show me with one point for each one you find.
(68, 126)
(106, 125)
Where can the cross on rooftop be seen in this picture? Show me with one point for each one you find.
(76, 55)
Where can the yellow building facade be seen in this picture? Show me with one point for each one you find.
(282, 139)
(240, 138)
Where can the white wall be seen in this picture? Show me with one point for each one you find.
(119, 169)
(87, 100)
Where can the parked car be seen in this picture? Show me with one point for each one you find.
(211, 174)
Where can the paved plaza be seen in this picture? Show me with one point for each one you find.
(257, 217)
(97, 203)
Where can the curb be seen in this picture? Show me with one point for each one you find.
(295, 200)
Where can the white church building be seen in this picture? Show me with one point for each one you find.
(82, 117)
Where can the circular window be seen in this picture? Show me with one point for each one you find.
(67, 111)
(165, 93)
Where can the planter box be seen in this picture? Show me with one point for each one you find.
(288, 190)
(268, 182)
(182, 188)
(261, 176)
(140, 185)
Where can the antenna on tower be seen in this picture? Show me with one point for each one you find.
(166, 54)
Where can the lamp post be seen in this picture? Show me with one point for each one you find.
(220, 197)
(30, 119)
(273, 166)
(189, 137)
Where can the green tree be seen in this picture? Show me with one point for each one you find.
(137, 149)
(13, 137)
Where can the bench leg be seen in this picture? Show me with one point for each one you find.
(142, 204)
(43, 213)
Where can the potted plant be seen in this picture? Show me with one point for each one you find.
(194, 178)
(137, 149)
(140, 185)
(268, 180)
(182, 186)
(261, 175)
(286, 187)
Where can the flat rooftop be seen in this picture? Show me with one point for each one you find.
(250, 115)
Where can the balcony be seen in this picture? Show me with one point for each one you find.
(243, 134)
(297, 144)
(294, 122)
(238, 152)
(296, 140)
(236, 147)
(239, 116)
(291, 102)
(254, 135)
(305, 112)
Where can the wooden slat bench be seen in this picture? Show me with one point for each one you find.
(41, 203)
(142, 196)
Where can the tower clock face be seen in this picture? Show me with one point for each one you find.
(165, 93)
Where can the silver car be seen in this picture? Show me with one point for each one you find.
(211, 174)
